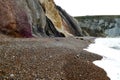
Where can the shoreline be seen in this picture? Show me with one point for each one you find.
(49, 59)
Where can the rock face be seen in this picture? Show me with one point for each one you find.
(36, 18)
(14, 20)
(100, 25)
(43, 58)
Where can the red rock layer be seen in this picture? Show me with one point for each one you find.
(38, 18)
(13, 20)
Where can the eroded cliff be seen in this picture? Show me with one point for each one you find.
(36, 18)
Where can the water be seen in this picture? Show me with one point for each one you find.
(109, 48)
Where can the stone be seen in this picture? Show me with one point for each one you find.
(48, 59)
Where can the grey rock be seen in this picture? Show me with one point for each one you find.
(35, 18)
(100, 26)
(72, 23)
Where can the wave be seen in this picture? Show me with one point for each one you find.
(109, 48)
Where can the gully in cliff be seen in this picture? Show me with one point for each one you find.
(36, 18)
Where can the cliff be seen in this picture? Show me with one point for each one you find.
(100, 26)
(26, 55)
(36, 18)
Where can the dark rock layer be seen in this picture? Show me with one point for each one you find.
(35, 18)
(43, 58)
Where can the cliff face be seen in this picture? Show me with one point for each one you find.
(36, 18)
(43, 58)
(100, 25)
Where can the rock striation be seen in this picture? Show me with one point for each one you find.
(36, 18)
(25, 56)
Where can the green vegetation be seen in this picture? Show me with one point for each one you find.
(79, 18)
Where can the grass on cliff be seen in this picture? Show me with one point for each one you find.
(79, 18)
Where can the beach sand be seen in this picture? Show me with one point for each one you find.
(48, 59)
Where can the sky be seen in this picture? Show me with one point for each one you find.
(90, 7)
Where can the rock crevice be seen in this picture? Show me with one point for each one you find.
(36, 18)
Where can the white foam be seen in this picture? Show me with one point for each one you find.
(109, 48)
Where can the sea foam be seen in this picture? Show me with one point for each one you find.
(109, 48)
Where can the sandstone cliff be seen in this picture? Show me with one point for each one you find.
(36, 18)
(43, 58)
